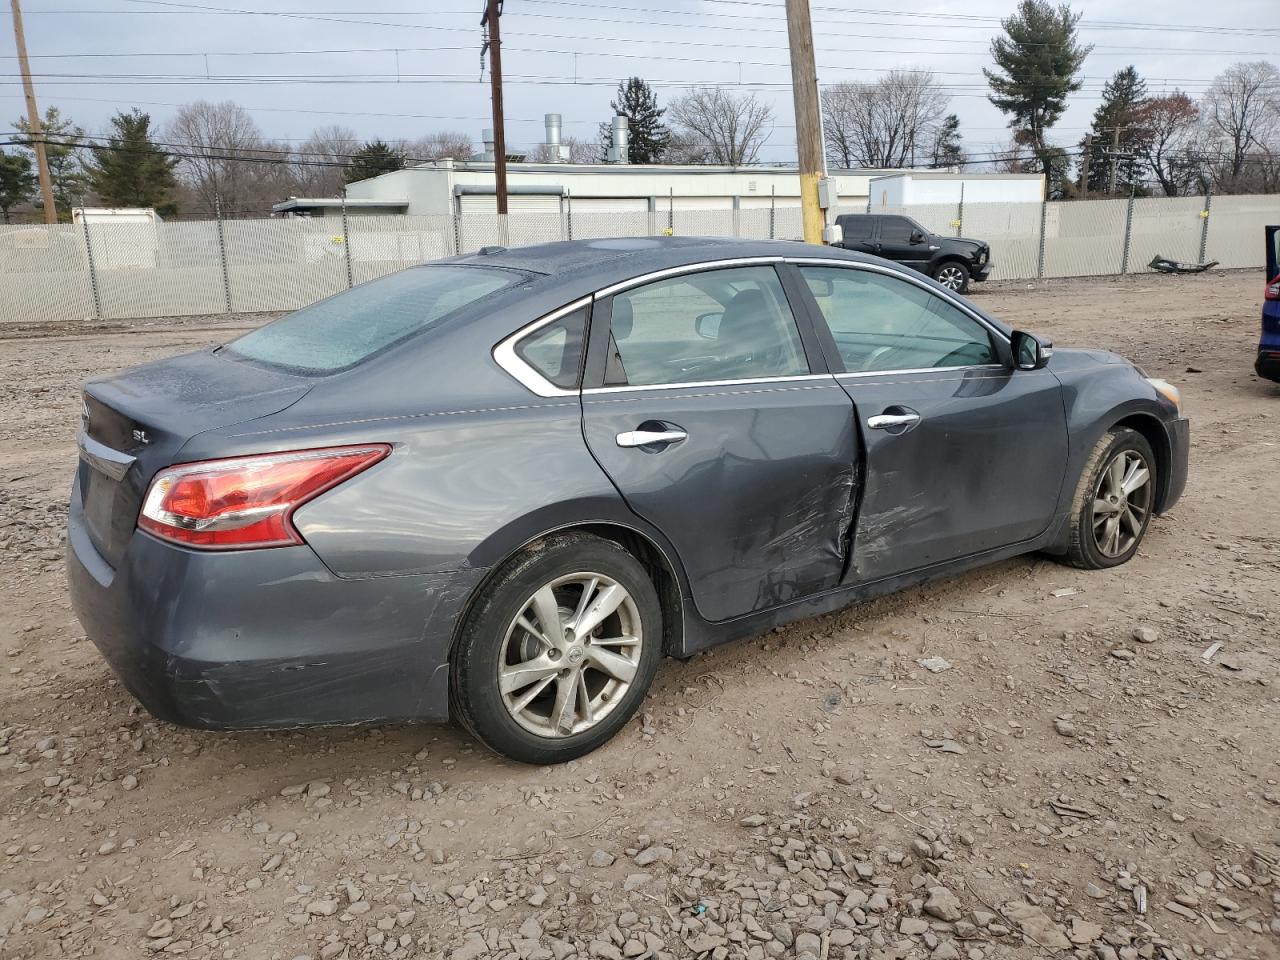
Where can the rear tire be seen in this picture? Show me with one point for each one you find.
(527, 680)
(1113, 502)
(953, 275)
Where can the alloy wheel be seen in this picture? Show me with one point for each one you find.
(1121, 503)
(570, 655)
(951, 277)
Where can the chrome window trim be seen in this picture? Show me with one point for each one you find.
(699, 267)
(505, 356)
(888, 373)
(700, 384)
(901, 275)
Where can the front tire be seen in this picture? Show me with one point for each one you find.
(558, 651)
(1114, 501)
(952, 275)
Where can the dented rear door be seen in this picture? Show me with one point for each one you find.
(715, 429)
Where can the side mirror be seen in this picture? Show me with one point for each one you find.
(708, 325)
(917, 236)
(1030, 352)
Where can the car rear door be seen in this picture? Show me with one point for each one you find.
(963, 454)
(714, 417)
(858, 232)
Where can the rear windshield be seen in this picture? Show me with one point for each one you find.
(352, 326)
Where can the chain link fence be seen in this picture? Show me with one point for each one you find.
(121, 271)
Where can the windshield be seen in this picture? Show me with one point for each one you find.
(352, 326)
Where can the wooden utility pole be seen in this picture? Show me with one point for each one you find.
(1115, 157)
(1084, 165)
(493, 11)
(33, 116)
(804, 90)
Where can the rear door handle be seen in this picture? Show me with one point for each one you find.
(893, 421)
(644, 438)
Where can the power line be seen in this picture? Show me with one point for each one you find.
(345, 16)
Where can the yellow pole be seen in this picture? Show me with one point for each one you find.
(804, 89)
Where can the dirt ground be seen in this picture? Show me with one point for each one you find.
(1083, 778)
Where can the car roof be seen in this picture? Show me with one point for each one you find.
(635, 256)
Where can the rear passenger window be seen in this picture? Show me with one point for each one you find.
(856, 228)
(732, 324)
(555, 350)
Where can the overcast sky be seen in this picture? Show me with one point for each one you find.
(567, 56)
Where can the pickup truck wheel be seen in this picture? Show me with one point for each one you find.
(954, 276)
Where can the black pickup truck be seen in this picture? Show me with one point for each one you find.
(952, 261)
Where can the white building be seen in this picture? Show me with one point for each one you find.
(467, 186)
(905, 188)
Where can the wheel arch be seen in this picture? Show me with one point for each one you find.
(658, 559)
(1152, 430)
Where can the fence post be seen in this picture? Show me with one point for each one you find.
(457, 234)
(568, 205)
(1204, 225)
(773, 201)
(960, 212)
(222, 251)
(1128, 233)
(93, 271)
(346, 241)
(671, 211)
(737, 216)
(868, 203)
(1044, 216)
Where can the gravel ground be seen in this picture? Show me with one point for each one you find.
(1080, 776)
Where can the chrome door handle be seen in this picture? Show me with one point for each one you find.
(643, 438)
(892, 421)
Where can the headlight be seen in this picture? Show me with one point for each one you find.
(1168, 391)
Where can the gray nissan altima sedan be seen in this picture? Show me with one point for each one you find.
(501, 487)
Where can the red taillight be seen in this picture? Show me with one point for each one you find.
(1273, 289)
(246, 502)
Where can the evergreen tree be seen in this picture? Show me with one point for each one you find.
(63, 140)
(947, 150)
(647, 136)
(131, 170)
(1122, 99)
(373, 159)
(1037, 62)
(17, 182)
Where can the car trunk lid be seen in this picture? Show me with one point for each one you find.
(137, 422)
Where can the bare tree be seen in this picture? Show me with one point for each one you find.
(1165, 139)
(227, 161)
(686, 147)
(1241, 113)
(890, 122)
(732, 128)
(441, 145)
(580, 151)
(320, 159)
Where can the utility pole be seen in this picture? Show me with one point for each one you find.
(804, 90)
(1084, 166)
(493, 43)
(1115, 158)
(33, 116)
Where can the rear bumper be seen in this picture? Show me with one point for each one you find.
(1267, 365)
(1179, 433)
(264, 638)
